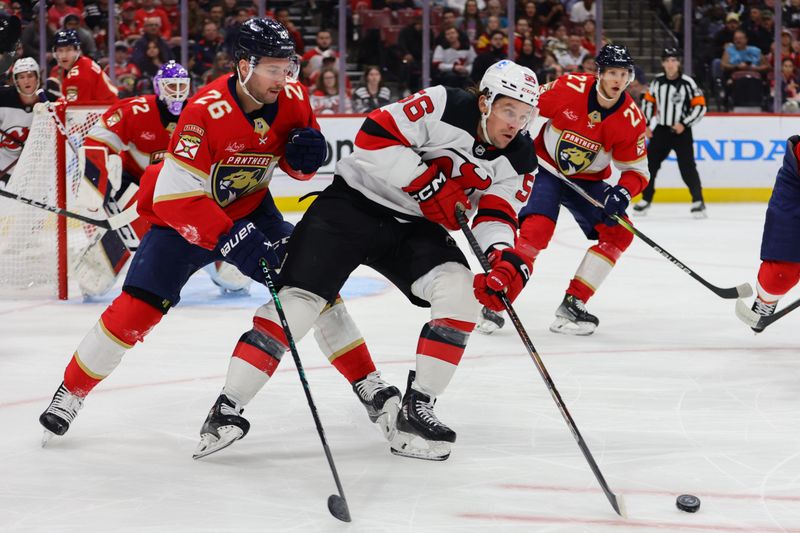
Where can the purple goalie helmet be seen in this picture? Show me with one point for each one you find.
(171, 85)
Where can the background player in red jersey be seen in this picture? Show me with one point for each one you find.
(592, 123)
(209, 201)
(389, 207)
(780, 243)
(131, 135)
(82, 80)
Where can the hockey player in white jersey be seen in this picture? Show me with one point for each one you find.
(390, 206)
(16, 113)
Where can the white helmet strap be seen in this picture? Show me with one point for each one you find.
(243, 83)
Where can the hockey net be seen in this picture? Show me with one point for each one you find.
(38, 248)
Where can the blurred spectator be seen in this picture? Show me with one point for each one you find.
(229, 9)
(557, 43)
(217, 14)
(757, 32)
(740, 56)
(484, 60)
(572, 57)
(153, 58)
(282, 16)
(791, 14)
(126, 72)
(57, 12)
(453, 63)
(535, 20)
(449, 18)
(373, 93)
(552, 12)
(206, 48)
(232, 32)
(527, 56)
(129, 28)
(88, 46)
(322, 50)
(222, 66)
(588, 40)
(147, 11)
(787, 48)
(589, 66)
(30, 39)
(152, 34)
(492, 25)
(790, 99)
(495, 9)
(521, 30)
(725, 35)
(197, 17)
(470, 22)
(409, 47)
(581, 11)
(170, 7)
(95, 14)
(325, 98)
(461, 5)
(551, 70)
(638, 85)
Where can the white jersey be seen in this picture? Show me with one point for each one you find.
(439, 126)
(15, 123)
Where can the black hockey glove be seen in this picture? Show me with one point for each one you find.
(306, 150)
(616, 202)
(244, 245)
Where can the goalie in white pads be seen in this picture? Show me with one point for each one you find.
(390, 207)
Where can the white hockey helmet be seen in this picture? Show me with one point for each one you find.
(25, 64)
(506, 78)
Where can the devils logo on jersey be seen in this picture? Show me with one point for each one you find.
(13, 138)
(575, 153)
(467, 174)
(239, 174)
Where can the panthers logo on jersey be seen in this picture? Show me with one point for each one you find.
(239, 174)
(575, 153)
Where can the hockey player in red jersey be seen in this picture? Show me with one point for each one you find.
(390, 207)
(592, 123)
(780, 244)
(82, 80)
(131, 135)
(209, 201)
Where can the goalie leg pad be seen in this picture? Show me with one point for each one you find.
(98, 267)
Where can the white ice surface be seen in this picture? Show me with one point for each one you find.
(672, 394)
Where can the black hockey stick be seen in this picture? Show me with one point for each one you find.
(740, 291)
(756, 321)
(111, 223)
(616, 501)
(337, 504)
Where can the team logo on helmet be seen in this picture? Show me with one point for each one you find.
(575, 153)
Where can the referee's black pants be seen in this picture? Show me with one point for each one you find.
(665, 140)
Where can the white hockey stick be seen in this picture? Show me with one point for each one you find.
(756, 321)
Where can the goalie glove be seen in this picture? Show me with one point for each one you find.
(438, 197)
(102, 176)
(509, 273)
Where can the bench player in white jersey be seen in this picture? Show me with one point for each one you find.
(390, 207)
(16, 113)
(592, 122)
(209, 201)
(131, 134)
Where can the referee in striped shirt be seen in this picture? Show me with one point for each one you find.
(675, 104)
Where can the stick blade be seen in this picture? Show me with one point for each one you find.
(338, 508)
(745, 290)
(746, 315)
(620, 506)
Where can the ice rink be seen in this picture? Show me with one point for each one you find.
(673, 395)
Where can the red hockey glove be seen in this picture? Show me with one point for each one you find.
(510, 272)
(438, 197)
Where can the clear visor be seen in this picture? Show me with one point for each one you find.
(278, 69)
(517, 116)
(174, 89)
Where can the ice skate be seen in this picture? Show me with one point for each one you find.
(223, 426)
(572, 318)
(381, 400)
(762, 308)
(60, 413)
(698, 210)
(489, 321)
(641, 208)
(419, 433)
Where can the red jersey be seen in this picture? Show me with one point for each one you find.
(137, 130)
(86, 82)
(581, 139)
(220, 161)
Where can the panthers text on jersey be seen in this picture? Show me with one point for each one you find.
(86, 82)
(581, 139)
(220, 161)
(439, 125)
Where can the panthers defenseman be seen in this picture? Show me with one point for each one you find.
(390, 207)
(592, 123)
(131, 135)
(209, 201)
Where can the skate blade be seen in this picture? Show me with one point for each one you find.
(566, 326)
(700, 215)
(210, 444)
(388, 418)
(46, 437)
(640, 213)
(487, 327)
(414, 446)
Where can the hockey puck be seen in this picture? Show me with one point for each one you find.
(688, 503)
